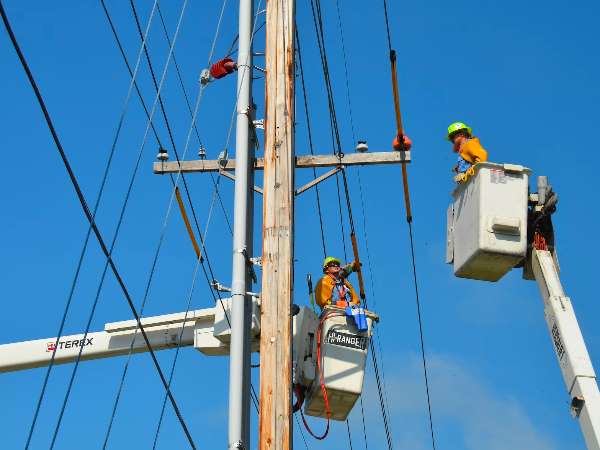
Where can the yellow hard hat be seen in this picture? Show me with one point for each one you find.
(457, 126)
(329, 260)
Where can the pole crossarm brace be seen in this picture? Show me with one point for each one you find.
(226, 174)
(317, 180)
(301, 162)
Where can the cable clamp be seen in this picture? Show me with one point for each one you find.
(219, 287)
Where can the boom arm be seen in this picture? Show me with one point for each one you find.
(569, 346)
(208, 330)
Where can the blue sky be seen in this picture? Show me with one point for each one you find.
(523, 75)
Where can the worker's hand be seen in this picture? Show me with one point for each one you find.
(406, 140)
(356, 266)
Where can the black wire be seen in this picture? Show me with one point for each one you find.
(386, 426)
(301, 432)
(414, 268)
(189, 108)
(349, 436)
(423, 357)
(387, 26)
(362, 413)
(88, 213)
(205, 252)
(310, 141)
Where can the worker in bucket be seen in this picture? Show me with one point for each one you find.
(333, 288)
(469, 149)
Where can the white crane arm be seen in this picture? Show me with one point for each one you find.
(569, 346)
(163, 332)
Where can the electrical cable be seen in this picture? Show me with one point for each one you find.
(203, 240)
(193, 120)
(318, 22)
(409, 218)
(87, 211)
(86, 242)
(110, 251)
(301, 432)
(189, 108)
(349, 435)
(310, 142)
(172, 371)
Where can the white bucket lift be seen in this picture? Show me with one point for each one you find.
(343, 351)
(487, 222)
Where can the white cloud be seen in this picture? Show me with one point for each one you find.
(467, 411)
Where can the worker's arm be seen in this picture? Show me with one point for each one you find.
(349, 268)
(323, 291)
(473, 152)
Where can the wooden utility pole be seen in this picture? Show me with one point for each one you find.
(278, 230)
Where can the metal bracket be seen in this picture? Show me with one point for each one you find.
(232, 177)
(259, 124)
(257, 261)
(317, 180)
(219, 287)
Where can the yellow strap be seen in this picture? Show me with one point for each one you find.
(187, 223)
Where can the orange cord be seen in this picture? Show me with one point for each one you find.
(322, 380)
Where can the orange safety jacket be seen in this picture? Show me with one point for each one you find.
(472, 151)
(335, 291)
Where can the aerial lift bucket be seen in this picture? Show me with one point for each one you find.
(343, 356)
(487, 222)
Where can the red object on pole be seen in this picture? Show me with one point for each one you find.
(223, 68)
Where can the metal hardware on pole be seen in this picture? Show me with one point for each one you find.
(239, 362)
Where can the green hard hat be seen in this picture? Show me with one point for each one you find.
(457, 126)
(328, 260)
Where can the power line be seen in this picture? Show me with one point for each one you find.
(310, 142)
(392, 55)
(89, 215)
(189, 108)
(85, 245)
(318, 22)
(174, 182)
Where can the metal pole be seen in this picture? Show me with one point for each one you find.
(239, 362)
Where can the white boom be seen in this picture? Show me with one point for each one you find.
(206, 329)
(573, 357)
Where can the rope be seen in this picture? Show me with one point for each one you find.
(88, 213)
